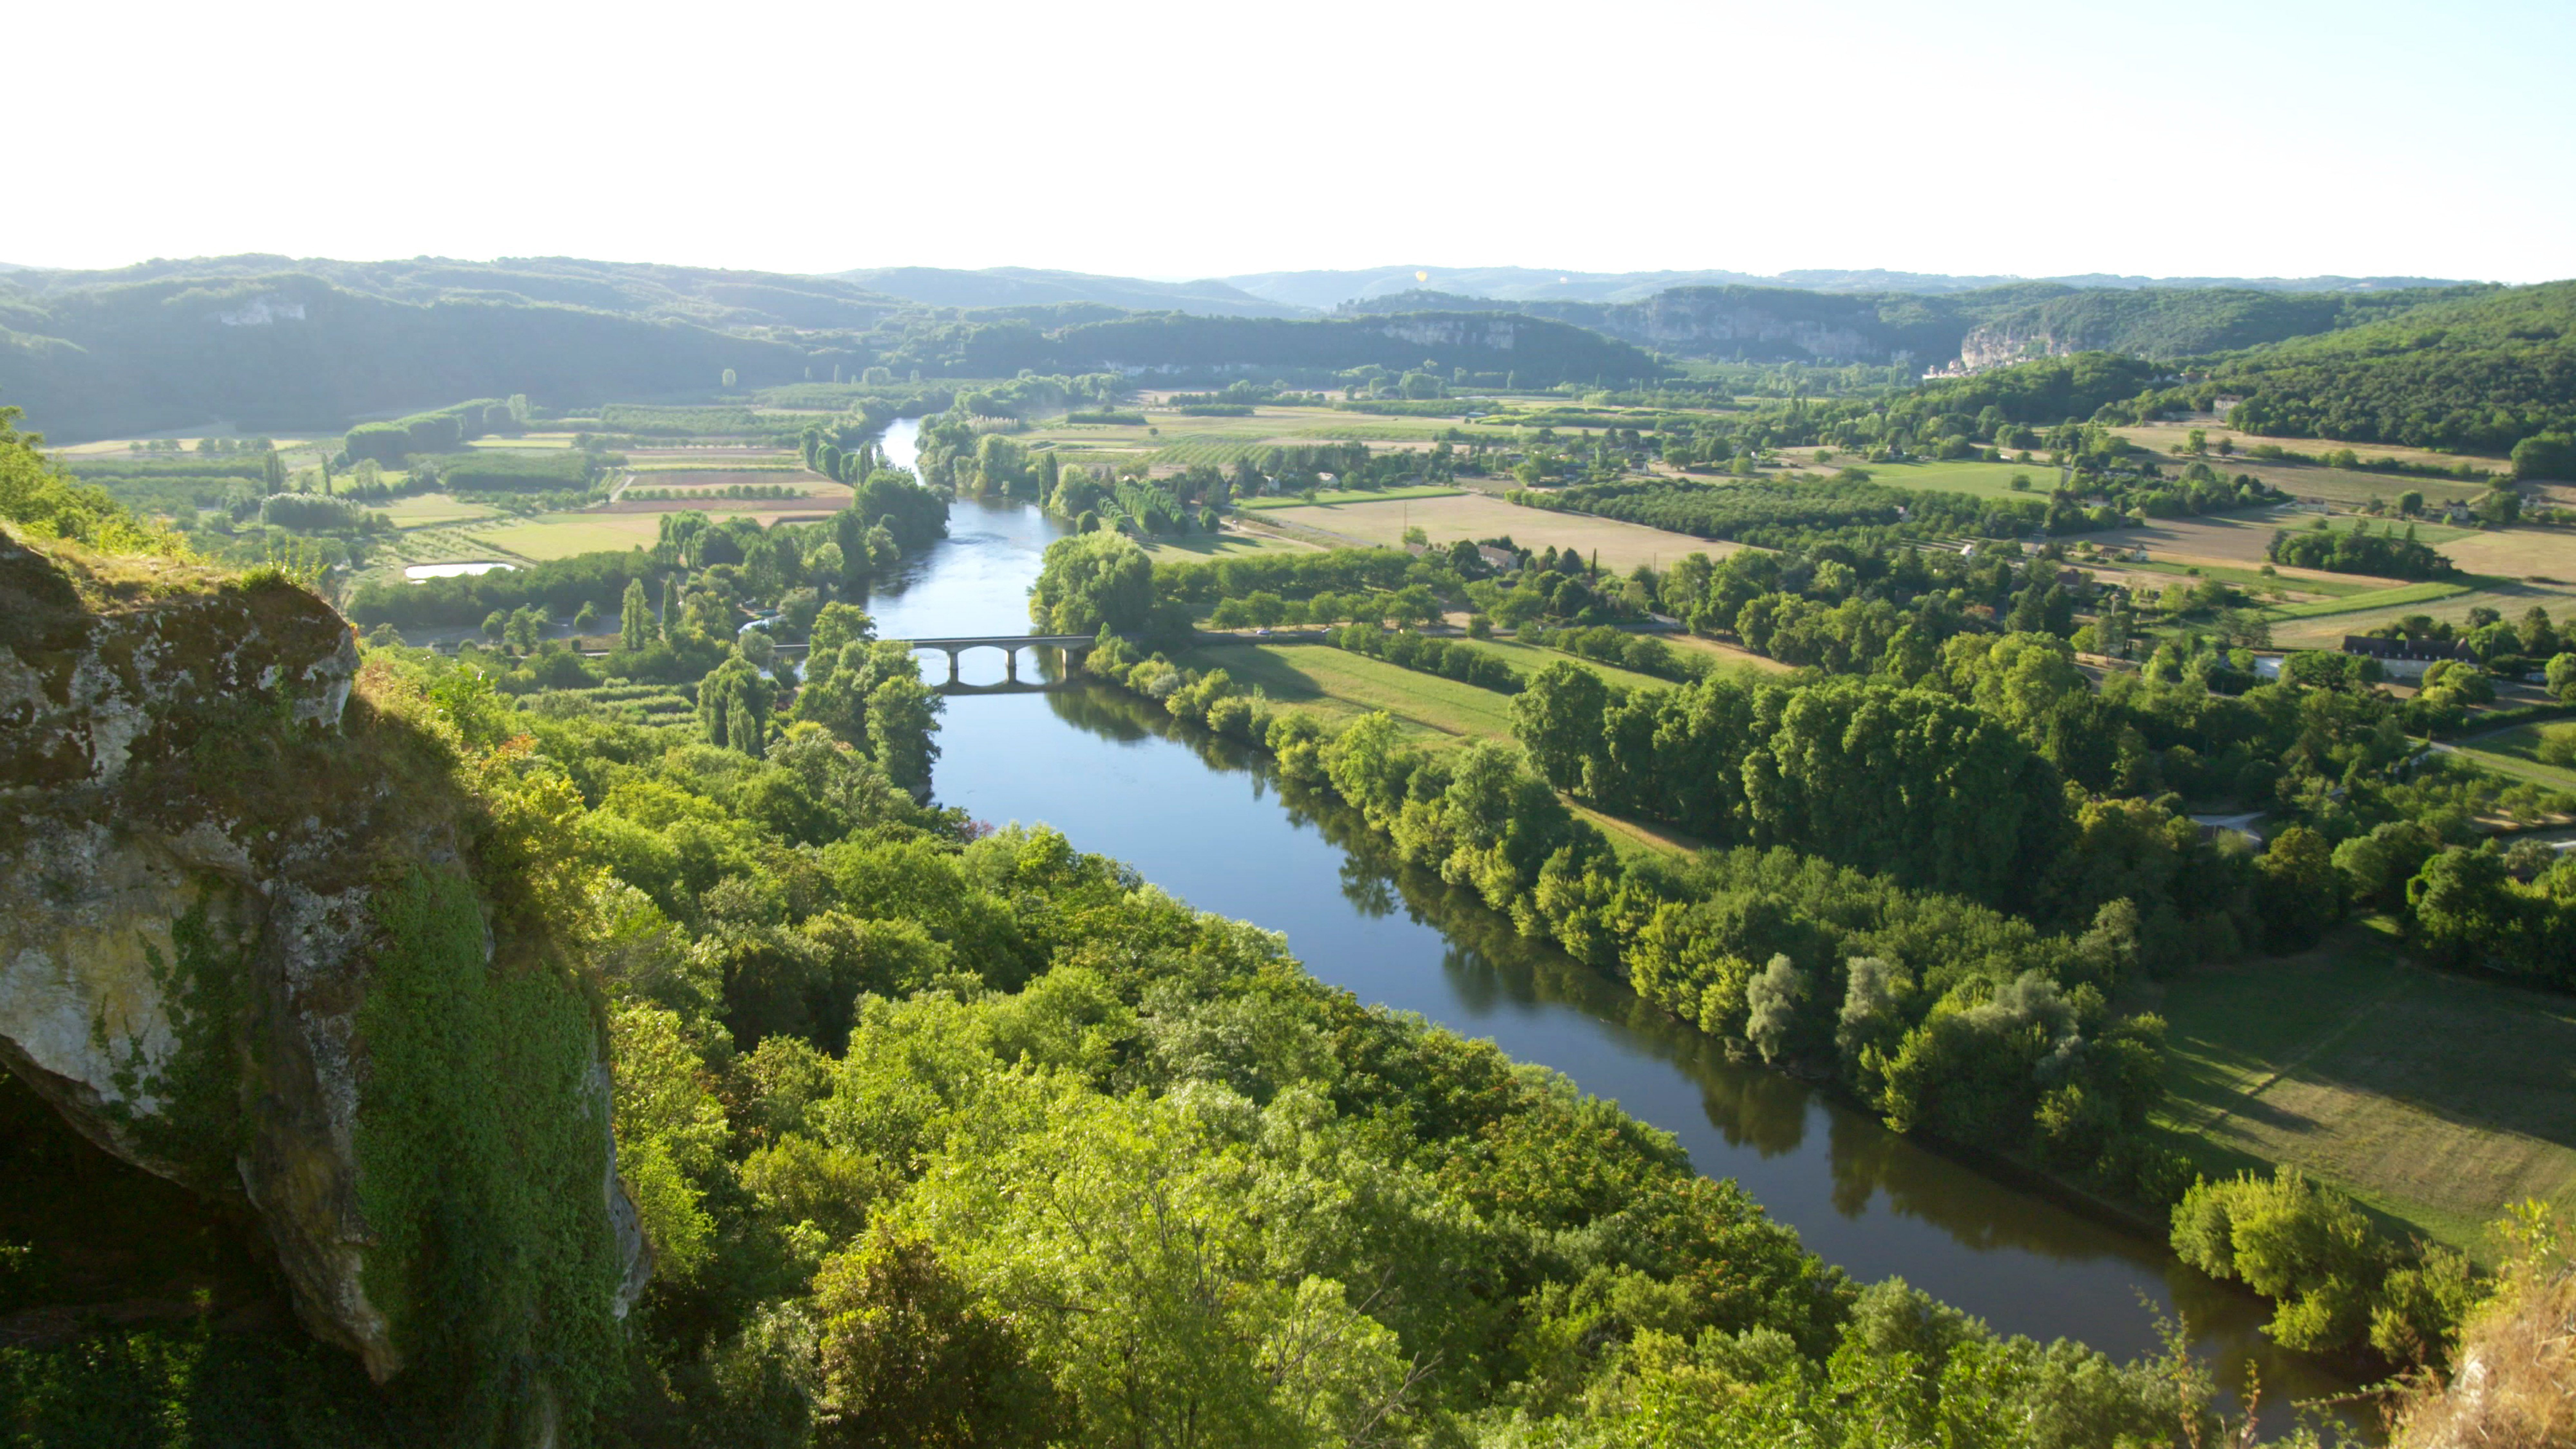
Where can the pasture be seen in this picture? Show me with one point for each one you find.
(561, 535)
(2506, 596)
(2437, 1099)
(2516, 553)
(525, 440)
(1621, 546)
(1185, 548)
(421, 510)
(1981, 480)
(2217, 538)
(1349, 495)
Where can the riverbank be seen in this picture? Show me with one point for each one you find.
(1205, 818)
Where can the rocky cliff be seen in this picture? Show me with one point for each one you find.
(228, 895)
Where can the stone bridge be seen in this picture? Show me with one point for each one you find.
(1074, 645)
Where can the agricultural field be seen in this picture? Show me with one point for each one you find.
(1173, 441)
(2506, 596)
(1339, 685)
(1622, 546)
(525, 440)
(1182, 548)
(421, 510)
(1982, 480)
(1352, 495)
(2345, 487)
(561, 535)
(2516, 553)
(2229, 538)
(2516, 752)
(2434, 1098)
(2368, 599)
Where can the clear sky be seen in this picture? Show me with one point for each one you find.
(1155, 138)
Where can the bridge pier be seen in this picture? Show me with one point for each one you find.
(1011, 665)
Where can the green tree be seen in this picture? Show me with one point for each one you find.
(634, 619)
(903, 717)
(2300, 892)
(1093, 581)
(2550, 456)
(1557, 717)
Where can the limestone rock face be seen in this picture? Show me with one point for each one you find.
(186, 934)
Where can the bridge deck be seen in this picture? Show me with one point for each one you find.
(1006, 641)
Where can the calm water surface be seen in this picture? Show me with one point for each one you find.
(1203, 820)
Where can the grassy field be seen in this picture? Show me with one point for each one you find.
(1220, 545)
(1622, 546)
(1341, 685)
(1353, 495)
(2436, 1099)
(2516, 753)
(561, 535)
(1984, 480)
(2366, 598)
(2517, 553)
(424, 509)
(2345, 486)
(525, 440)
(2235, 538)
(2506, 596)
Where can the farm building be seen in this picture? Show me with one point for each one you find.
(2405, 658)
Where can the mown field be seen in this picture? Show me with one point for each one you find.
(1220, 545)
(1622, 546)
(422, 510)
(1982, 480)
(1351, 495)
(2434, 1098)
(2506, 596)
(1339, 686)
(525, 440)
(2346, 487)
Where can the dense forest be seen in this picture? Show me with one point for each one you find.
(2003, 323)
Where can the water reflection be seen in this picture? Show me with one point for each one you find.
(1134, 784)
(1203, 818)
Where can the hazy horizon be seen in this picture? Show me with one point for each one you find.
(2000, 137)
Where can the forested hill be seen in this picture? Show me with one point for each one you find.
(1981, 328)
(1325, 289)
(1535, 351)
(1030, 286)
(2479, 372)
(268, 343)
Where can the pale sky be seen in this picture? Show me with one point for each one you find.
(2030, 137)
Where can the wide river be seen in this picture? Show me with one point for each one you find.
(1202, 820)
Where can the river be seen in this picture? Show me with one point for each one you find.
(1203, 820)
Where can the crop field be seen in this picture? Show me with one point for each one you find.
(1352, 495)
(2346, 486)
(2435, 1098)
(1982, 480)
(2506, 596)
(2517, 553)
(421, 510)
(561, 535)
(1339, 685)
(525, 440)
(1622, 546)
(2428, 592)
(2219, 538)
(813, 483)
(1220, 545)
